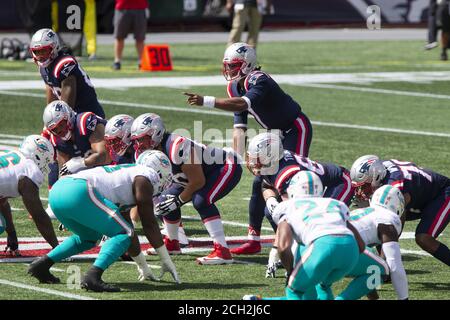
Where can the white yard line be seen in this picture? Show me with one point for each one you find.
(43, 290)
(290, 79)
(376, 90)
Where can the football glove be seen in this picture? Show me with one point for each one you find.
(145, 274)
(168, 266)
(72, 166)
(171, 203)
(271, 204)
(273, 263)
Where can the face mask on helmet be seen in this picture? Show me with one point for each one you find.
(116, 145)
(232, 70)
(61, 129)
(143, 143)
(42, 55)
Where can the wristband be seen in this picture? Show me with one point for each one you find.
(209, 101)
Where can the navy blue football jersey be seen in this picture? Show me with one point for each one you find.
(63, 67)
(329, 173)
(178, 149)
(423, 185)
(79, 146)
(269, 104)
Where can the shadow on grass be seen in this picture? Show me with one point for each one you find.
(414, 272)
(171, 286)
(432, 286)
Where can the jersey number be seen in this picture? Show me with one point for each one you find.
(310, 165)
(9, 159)
(407, 168)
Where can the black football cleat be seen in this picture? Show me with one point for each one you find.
(40, 269)
(93, 281)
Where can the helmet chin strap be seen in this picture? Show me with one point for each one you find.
(67, 136)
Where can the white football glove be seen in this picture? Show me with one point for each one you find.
(167, 264)
(145, 274)
(171, 203)
(272, 264)
(271, 204)
(72, 166)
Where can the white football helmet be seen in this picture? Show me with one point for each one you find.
(390, 198)
(264, 153)
(59, 119)
(38, 149)
(118, 133)
(305, 184)
(366, 173)
(147, 131)
(44, 47)
(238, 61)
(159, 162)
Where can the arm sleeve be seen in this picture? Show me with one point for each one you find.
(398, 274)
(240, 119)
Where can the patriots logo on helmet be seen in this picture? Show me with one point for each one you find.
(58, 107)
(50, 34)
(241, 50)
(119, 123)
(147, 121)
(366, 166)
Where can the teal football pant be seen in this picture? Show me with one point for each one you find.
(325, 261)
(368, 273)
(82, 210)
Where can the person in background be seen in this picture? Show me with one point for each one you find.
(129, 16)
(246, 11)
(432, 26)
(443, 18)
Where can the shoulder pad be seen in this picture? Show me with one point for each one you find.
(253, 77)
(64, 66)
(87, 122)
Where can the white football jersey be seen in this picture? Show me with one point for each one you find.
(312, 218)
(115, 182)
(366, 221)
(13, 166)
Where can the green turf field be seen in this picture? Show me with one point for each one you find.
(334, 111)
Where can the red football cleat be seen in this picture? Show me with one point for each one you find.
(173, 246)
(250, 247)
(220, 255)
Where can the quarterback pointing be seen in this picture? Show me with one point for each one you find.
(255, 92)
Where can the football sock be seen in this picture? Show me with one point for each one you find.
(172, 229)
(215, 230)
(443, 254)
(69, 247)
(111, 250)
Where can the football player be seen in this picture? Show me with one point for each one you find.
(202, 175)
(78, 138)
(253, 91)
(267, 158)
(64, 80)
(426, 193)
(328, 246)
(118, 139)
(21, 174)
(379, 224)
(93, 210)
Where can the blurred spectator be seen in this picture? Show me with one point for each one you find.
(443, 19)
(246, 11)
(432, 26)
(129, 16)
